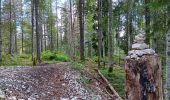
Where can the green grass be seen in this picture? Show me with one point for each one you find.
(116, 78)
(15, 60)
(50, 56)
(76, 66)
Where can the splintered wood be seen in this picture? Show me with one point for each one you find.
(143, 78)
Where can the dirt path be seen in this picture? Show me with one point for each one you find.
(50, 82)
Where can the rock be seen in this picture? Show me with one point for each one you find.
(139, 53)
(64, 99)
(140, 38)
(133, 56)
(138, 46)
(149, 51)
(12, 98)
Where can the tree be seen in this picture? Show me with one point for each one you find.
(168, 57)
(11, 35)
(0, 35)
(147, 21)
(37, 31)
(110, 41)
(32, 22)
(99, 31)
(81, 18)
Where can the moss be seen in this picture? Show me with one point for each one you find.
(116, 78)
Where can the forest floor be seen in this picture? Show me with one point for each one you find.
(51, 82)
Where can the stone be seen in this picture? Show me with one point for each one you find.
(133, 56)
(12, 98)
(139, 53)
(149, 51)
(140, 38)
(138, 46)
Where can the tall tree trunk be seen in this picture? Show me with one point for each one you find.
(147, 21)
(37, 31)
(129, 24)
(51, 28)
(15, 32)
(22, 30)
(10, 37)
(71, 30)
(0, 35)
(168, 58)
(99, 31)
(32, 19)
(81, 15)
(110, 41)
(57, 25)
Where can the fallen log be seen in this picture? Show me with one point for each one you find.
(110, 86)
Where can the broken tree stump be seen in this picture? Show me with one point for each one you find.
(143, 74)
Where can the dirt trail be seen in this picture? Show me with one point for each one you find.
(50, 82)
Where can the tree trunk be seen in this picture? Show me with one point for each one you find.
(71, 30)
(37, 31)
(10, 37)
(143, 78)
(32, 19)
(81, 15)
(57, 25)
(15, 33)
(0, 35)
(168, 67)
(22, 30)
(168, 56)
(110, 41)
(147, 21)
(99, 33)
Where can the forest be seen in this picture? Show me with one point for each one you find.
(84, 50)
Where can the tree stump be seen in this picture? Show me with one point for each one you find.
(143, 74)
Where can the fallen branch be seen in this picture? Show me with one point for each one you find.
(110, 86)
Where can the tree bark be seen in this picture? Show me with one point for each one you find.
(143, 78)
(81, 18)
(0, 35)
(37, 31)
(32, 21)
(99, 32)
(110, 41)
(10, 37)
(22, 30)
(147, 21)
(57, 25)
(168, 57)
(168, 67)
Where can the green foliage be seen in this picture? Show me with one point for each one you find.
(16, 60)
(116, 78)
(76, 66)
(50, 56)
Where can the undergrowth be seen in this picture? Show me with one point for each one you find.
(51, 56)
(116, 78)
(15, 60)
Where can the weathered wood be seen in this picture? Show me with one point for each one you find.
(143, 78)
(110, 86)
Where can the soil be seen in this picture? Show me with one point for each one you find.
(50, 82)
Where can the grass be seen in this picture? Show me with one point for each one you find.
(76, 66)
(15, 60)
(116, 78)
(25, 59)
(51, 56)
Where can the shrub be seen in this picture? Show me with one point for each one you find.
(49, 56)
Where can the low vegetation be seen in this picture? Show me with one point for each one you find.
(52, 56)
